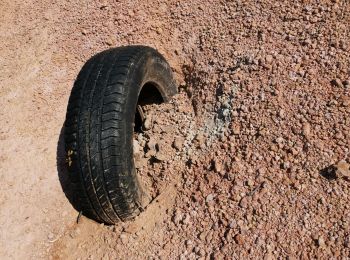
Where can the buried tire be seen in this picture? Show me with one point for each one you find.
(99, 128)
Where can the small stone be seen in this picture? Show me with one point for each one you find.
(147, 124)
(177, 217)
(188, 243)
(217, 166)
(161, 156)
(281, 113)
(268, 59)
(159, 30)
(186, 219)
(202, 236)
(279, 140)
(110, 41)
(244, 202)
(136, 147)
(236, 129)
(306, 129)
(347, 241)
(286, 165)
(209, 198)
(342, 169)
(84, 32)
(151, 144)
(239, 239)
(345, 100)
(337, 82)
(124, 238)
(320, 242)
(200, 139)
(178, 142)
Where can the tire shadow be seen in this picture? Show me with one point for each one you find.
(63, 175)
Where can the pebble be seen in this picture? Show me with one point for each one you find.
(147, 124)
(236, 129)
(268, 59)
(217, 166)
(321, 242)
(151, 144)
(178, 143)
(239, 239)
(200, 139)
(244, 202)
(209, 198)
(177, 217)
(279, 140)
(124, 238)
(306, 129)
(345, 101)
(136, 147)
(342, 169)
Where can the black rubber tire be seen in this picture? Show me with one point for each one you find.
(99, 129)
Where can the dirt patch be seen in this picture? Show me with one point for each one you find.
(161, 146)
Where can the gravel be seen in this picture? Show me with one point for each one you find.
(252, 141)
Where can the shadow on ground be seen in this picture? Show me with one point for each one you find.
(63, 175)
(329, 173)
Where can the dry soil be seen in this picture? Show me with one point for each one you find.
(250, 160)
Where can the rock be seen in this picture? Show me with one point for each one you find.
(202, 236)
(306, 129)
(268, 59)
(236, 129)
(161, 156)
(147, 124)
(347, 241)
(124, 238)
(239, 239)
(177, 217)
(217, 166)
(188, 243)
(342, 169)
(51, 236)
(110, 41)
(279, 140)
(320, 242)
(151, 144)
(136, 147)
(178, 143)
(345, 101)
(337, 82)
(244, 202)
(209, 198)
(200, 139)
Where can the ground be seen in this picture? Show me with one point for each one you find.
(263, 119)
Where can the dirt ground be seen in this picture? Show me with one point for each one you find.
(250, 165)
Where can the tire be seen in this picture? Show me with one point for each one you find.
(99, 129)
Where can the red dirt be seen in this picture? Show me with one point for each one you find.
(261, 123)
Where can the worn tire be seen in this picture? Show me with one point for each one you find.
(99, 129)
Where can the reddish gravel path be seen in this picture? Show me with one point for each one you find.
(262, 114)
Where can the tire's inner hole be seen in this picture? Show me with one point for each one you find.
(149, 95)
